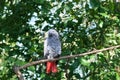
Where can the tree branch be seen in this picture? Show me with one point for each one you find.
(18, 73)
(63, 57)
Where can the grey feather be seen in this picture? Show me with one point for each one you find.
(52, 44)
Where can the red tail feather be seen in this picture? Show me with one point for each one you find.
(54, 67)
(51, 66)
(48, 67)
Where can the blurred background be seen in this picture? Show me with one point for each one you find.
(83, 25)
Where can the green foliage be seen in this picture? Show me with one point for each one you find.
(84, 25)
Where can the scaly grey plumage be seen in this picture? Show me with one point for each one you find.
(52, 44)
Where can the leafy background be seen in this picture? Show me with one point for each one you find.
(84, 25)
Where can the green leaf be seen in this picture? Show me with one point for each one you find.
(85, 62)
(105, 15)
(101, 24)
(32, 68)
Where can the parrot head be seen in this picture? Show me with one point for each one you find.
(52, 33)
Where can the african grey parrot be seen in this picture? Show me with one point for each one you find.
(52, 49)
